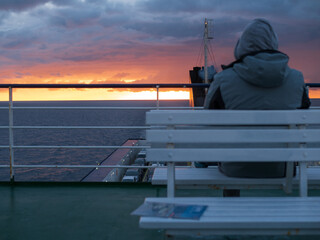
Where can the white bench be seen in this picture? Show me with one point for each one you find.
(238, 136)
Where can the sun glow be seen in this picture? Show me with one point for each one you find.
(152, 95)
(92, 94)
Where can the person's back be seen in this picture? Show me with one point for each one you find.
(259, 79)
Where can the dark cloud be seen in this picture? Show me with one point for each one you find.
(121, 75)
(3, 16)
(83, 57)
(22, 5)
(294, 20)
(168, 6)
(253, 7)
(73, 17)
(66, 2)
(18, 5)
(17, 39)
(291, 34)
(56, 74)
(167, 27)
(114, 20)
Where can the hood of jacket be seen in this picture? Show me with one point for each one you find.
(265, 69)
(257, 36)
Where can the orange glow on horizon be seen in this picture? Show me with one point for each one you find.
(92, 94)
(314, 93)
(151, 95)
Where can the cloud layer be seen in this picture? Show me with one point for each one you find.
(101, 41)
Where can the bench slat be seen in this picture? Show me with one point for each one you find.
(229, 200)
(232, 117)
(255, 232)
(233, 136)
(213, 178)
(233, 154)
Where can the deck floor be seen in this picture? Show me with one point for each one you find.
(86, 211)
(72, 211)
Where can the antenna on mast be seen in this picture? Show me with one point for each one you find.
(208, 34)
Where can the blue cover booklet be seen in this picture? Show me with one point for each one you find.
(170, 210)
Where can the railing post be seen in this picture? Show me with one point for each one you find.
(11, 152)
(158, 108)
(157, 96)
(171, 174)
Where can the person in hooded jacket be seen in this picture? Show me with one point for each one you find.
(259, 79)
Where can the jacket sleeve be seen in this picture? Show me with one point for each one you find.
(305, 102)
(214, 98)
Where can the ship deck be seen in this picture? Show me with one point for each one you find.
(34, 210)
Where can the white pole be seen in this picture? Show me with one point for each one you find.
(11, 136)
(158, 97)
(205, 51)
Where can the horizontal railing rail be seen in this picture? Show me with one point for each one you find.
(76, 147)
(90, 166)
(11, 125)
(77, 127)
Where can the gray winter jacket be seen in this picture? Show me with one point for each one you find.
(260, 78)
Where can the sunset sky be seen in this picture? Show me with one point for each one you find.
(139, 41)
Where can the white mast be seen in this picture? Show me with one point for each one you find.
(208, 34)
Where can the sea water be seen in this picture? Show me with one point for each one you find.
(69, 137)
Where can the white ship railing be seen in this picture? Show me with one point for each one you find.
(11, 126)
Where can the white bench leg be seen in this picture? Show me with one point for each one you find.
(303, 179)
(289, 175)
(171, 180)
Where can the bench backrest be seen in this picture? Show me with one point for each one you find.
(234, 136)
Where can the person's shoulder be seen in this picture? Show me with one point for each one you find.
(295, 75)
(295, 72)
(225, 74)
